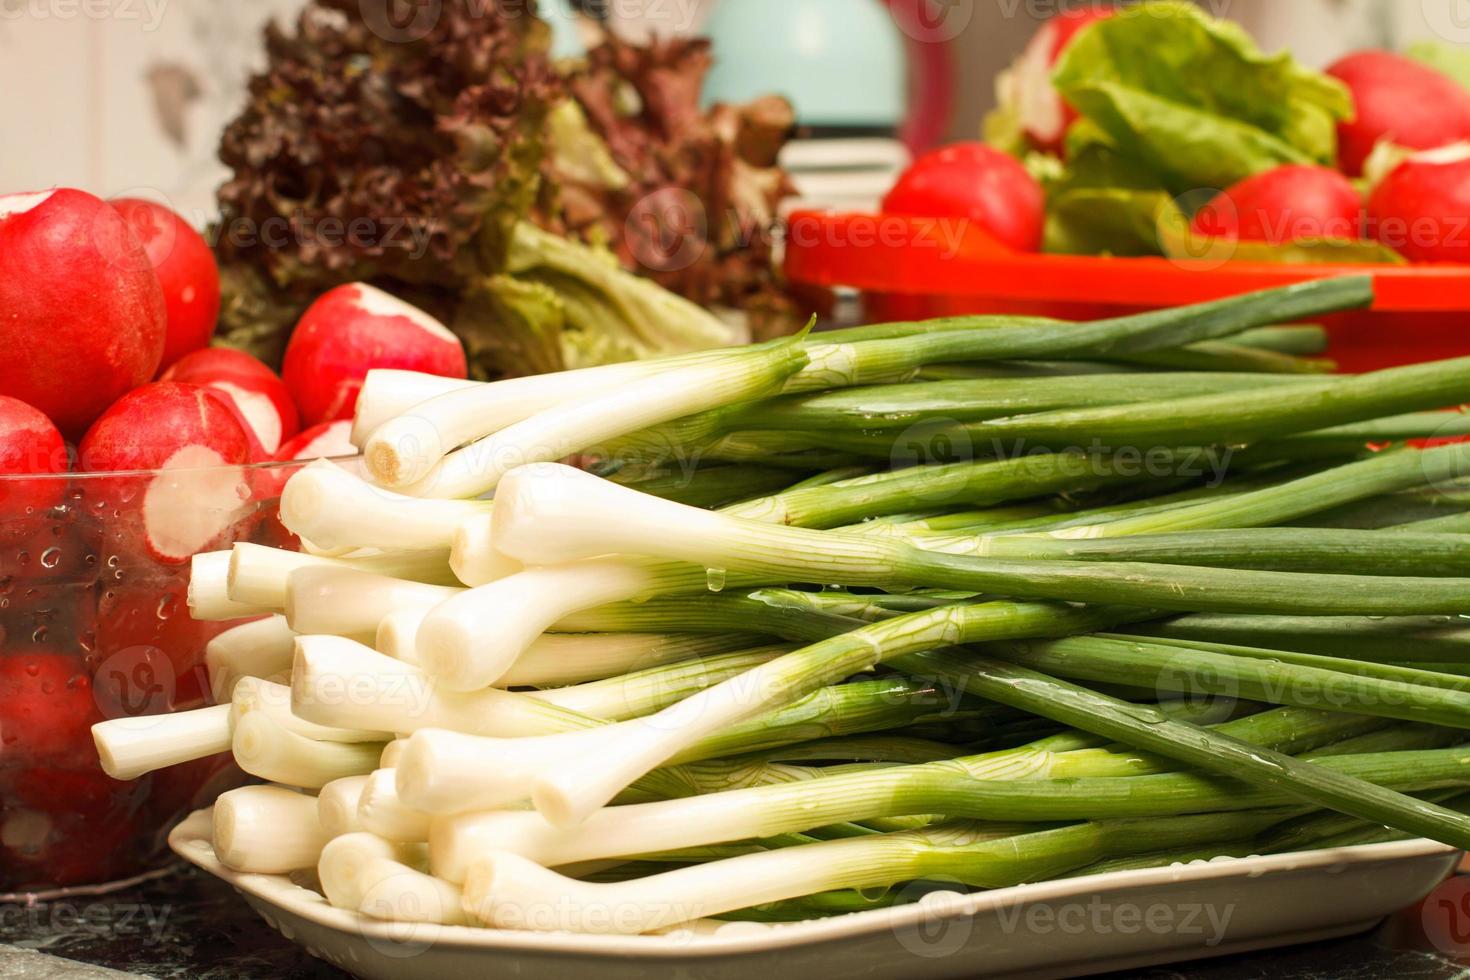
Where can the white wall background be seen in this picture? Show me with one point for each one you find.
(128, 96)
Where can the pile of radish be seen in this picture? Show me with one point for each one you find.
(1400, 179)
(128, 444)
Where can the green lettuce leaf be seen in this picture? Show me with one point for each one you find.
(1193, 100)
(609, 314)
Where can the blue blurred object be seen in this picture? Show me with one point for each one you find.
(841, 62)
(566, 32)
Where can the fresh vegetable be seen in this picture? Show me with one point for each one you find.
(1422, 208)
(193, 437)
(425, 190)
(1007, 656)
(327, 440)
(974, 181)
(1448, 59)
(257, 393)
(85, 315)
(131, 747)
(267, 830)
(186, 270)
(1191, 101)
(1400, 101)
(49, 707)
(1286, 204)
(29, 445)
(352, 330)
(1028, 99)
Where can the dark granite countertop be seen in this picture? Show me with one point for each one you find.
(189, 926)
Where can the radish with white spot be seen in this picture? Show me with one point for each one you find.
(257, 393)
(81, 309)
(29, 444)
(329, 440)
(1398, 100)
(1026, 88)
(1422, 208)
(353, 329)
(195, 439)
(186, 270)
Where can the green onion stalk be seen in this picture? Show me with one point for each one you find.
(552, 514)
(439, 451)
(506, 890)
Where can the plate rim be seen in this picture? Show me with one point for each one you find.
(190, 841)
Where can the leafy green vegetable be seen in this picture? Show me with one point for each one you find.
(606, 313)
(1176, 106)
(419, 163)
(1103, 203)
(1192, 100)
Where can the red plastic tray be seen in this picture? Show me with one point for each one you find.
(916, 268)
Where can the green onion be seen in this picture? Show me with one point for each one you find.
(551, 513)
(574, 425)
(1287, 549)
(1385, 473)
(1189, 670)
(508, 891)
(267, 830)
(330, 507)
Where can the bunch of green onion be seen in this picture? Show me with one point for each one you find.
(980, 601)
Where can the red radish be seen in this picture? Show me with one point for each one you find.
(325, 441)
(29, 444)
(48, 708)
(70, 826)
(1284, 204)
(81, 309)
(149, 646)
(191, 434)
(1398, 100)
(353, 329)
(186, 270)
(329, 440)
(1422, 208)
(975, 181)
(1027, 88)
(257, 393)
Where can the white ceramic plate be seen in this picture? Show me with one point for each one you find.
(1115, 921)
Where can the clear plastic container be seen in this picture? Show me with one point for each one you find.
(94, 624)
